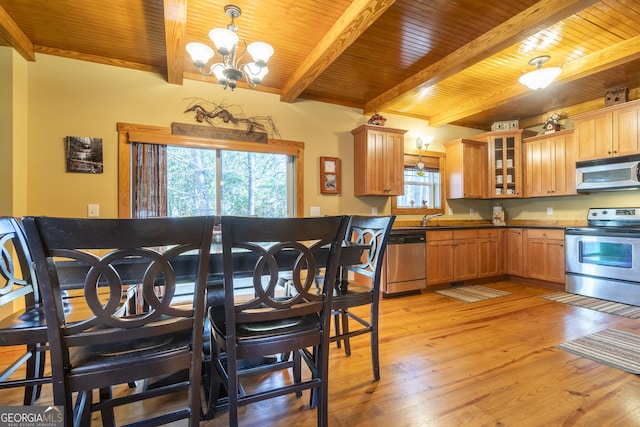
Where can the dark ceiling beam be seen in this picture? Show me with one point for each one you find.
(610, 57)
(527, 23)
(14, 35)
(353, 22)
(175, 30)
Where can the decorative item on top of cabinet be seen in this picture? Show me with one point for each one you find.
(378, 161)
(466, 169)
(505, 163)
(608, 132)
(618, 96)
(550, 165)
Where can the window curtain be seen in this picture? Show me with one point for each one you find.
(149, 177)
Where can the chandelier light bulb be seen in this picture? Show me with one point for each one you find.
(260, 52)
(200, 53)
(225, 40)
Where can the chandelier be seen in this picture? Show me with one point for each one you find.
(540, 77)
(229, 72)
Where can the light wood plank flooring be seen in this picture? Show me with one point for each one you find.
(447, 363)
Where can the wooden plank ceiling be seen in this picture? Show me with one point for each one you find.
(447, 61)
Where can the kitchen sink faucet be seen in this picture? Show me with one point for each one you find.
(426, 218)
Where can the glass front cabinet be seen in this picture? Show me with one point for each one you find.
(505, 160)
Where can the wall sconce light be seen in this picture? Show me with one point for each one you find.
(419, 144)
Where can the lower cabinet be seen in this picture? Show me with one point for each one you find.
(491, 253)
(439, 257)
(544, 254)
(457, 255)
(514, 252)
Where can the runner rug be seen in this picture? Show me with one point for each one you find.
(605, 306)
(611, 347)
(472, 293)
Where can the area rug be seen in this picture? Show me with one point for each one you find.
(610, 307)
(472, 293)
(611, 347)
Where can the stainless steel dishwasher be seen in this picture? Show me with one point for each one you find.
(405, 263)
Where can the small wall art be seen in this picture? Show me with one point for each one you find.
(83, 154)
(329, 175)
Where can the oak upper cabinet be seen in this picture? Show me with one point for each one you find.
(466, 169)
(608, 132)
(505, 163)
(550, 165)
(514, 253)
(544, 254)
(378, 164)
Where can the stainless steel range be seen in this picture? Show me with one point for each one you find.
(603, 259)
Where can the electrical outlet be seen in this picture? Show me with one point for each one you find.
(472, 211)
(374, 211)
(93, 210)
(450, 211)
(549, 211)
(315, 210)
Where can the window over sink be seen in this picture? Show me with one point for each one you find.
(423, 192)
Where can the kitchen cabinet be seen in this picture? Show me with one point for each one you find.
(491, 252)
(465, 255)
(505, 163)
(466, 169)
(378, 164)
(452, 256)
(550, 165)
(544, 254)
(439, 257)
(609, 132)
(514, 253)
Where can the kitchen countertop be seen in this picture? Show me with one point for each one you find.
(409, 226)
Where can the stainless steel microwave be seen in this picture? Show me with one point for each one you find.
(615, 173)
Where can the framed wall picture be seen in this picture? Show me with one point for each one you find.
(83, 154)
(329, 175)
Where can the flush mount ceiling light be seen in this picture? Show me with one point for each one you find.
(226, 40)
(540, 77)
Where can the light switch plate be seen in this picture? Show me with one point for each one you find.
(315, 210)
(549, 211)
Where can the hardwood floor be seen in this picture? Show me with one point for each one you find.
(447, 363)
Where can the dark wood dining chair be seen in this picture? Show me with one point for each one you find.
(23, 324)
(266, 321)
(101, 342)
(365, 288)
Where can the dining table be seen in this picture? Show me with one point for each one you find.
(72, 275)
